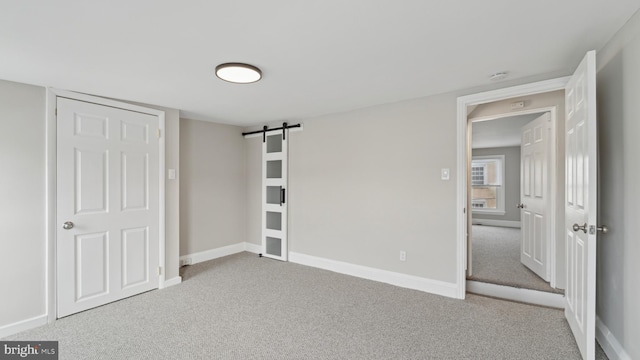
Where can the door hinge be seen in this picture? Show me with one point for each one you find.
(158, 133)
(159, 270)
(56, 111)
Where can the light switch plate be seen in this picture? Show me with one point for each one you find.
(171, 174)
(444, 174)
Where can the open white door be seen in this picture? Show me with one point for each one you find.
(580, 204)
(108, 204)
(534, 193)
(274, 195)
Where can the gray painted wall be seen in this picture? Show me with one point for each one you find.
(22, 202)
(254, 189)
(360, 191)
(213, 199)
(618, 274)
(512, 182)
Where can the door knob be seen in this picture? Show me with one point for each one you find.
(67, 225)
(577, 227)
(520, 206)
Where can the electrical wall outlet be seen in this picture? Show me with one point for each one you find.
(403, 256)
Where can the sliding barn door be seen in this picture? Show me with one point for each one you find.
(274, 195)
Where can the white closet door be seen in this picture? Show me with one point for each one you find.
(107, 204)
(274, 196)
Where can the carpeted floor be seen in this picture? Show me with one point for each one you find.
(245, 307)
(496, 259)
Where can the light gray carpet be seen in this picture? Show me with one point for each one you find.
(496, 259)
(245, 307)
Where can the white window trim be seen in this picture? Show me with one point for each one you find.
(500, 209)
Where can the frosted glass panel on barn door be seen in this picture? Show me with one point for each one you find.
(274, 196)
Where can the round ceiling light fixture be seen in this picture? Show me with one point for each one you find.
(238, 73)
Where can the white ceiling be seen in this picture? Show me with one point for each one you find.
(500, 132)
(318, 57)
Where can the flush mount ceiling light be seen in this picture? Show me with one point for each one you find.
(238, 73)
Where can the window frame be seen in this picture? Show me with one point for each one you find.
(500, 193)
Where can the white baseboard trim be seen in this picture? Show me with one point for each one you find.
(173, 281)
(389, 277)
(516, 294)
(609, 343)
(251, 247)
(207, 255)
(20, 326)
(491, 222)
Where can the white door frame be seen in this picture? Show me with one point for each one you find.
(51, 169)
(461, 163)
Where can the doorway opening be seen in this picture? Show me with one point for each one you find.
(512, 193)
(502, 107)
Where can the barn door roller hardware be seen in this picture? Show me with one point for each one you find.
(266, 129)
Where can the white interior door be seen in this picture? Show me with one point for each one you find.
(534, 194)
(107, 204)
(274, 196)
(580, 205)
